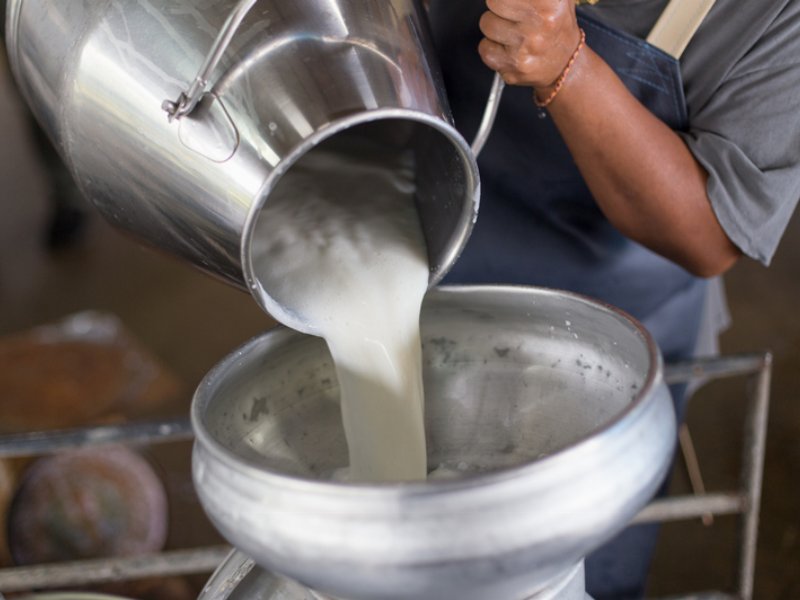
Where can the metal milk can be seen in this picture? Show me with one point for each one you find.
(178, 117)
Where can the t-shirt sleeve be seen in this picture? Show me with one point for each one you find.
(747, 136)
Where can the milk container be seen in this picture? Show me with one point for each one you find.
(178, 118)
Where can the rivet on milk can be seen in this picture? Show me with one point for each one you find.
(178, 119)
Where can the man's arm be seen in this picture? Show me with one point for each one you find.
(641, 173)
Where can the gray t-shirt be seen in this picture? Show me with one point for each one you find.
(741, 75)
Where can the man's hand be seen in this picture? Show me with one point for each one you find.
(529, 42)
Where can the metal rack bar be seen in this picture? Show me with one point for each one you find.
(88, 572)
(48, 442)
(752, 476)
(715, 367)
(686, 444)
(704, 596)
(682, 508)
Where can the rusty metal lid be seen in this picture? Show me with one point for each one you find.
(89, 503)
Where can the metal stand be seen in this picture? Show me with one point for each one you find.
(744, 501)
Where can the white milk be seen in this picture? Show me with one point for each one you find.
(340, 244)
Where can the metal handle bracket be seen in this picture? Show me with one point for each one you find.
(188, 99)
(489, 114)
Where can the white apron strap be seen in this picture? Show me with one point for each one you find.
(672, 33)
(677, 25)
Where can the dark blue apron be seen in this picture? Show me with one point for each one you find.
(539, 225)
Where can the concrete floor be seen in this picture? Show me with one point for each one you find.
(190, 321)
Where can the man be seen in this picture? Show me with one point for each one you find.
(624, 173)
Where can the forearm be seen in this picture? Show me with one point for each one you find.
(641, 173)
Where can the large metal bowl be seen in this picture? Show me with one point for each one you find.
(552, 406)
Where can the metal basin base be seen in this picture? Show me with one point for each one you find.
(239, 578)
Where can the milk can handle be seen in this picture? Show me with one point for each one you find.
(489, 114)
(189, 99)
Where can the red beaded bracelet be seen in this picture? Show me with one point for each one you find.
(561, 78)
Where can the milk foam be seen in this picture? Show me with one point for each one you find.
(339, 244)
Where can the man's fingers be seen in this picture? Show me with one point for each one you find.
(495, 57)
(512, 10)
(499, 30)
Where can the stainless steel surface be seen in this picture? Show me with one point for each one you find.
(294, 75)
(239, 578)
(572, 586)
(188, 100)
(551, 406)
(228, 577)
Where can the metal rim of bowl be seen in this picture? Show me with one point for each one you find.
(637, 405)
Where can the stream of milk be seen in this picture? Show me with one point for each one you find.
(339, 243)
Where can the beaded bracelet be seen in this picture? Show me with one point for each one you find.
(561, 78)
